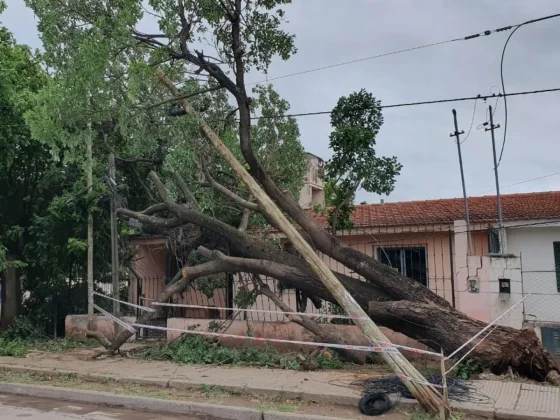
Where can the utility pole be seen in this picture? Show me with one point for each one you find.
(456, 134)
(89, 185)
(114, 241)
(499, 200)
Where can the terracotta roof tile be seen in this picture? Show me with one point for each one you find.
(531, 206)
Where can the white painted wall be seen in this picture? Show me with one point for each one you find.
(534, 244)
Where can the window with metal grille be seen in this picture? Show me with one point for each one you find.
(556, 246)
(493, 241)
(409, 261)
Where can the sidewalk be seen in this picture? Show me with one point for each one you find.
(506, 400)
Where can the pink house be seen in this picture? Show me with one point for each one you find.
(425, 240)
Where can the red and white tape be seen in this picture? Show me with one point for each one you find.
(115, 319)
(266, 311)
(376, 349)
(327, 316)
(144, 308)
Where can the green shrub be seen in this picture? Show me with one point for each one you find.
(332, 362)
(196, 349)
(468, 368)
(22, 328)
(15, 348)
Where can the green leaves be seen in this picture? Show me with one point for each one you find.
(356, 121)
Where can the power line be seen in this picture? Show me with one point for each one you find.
(522, 182)
(419, 47)
(472, 122)
(437, 101)
(399, 105)
(502, 76)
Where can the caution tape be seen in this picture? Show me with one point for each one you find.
(382, 347)
(306, 314)
(144, 308)
(115, 319)
(328, 316)
(374, 349)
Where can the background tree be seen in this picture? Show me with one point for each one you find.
(24, 166)
(356, 121)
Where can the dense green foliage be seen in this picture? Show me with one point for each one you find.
(196, 349)
(356, 120)
(95, 81)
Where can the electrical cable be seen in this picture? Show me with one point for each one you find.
(502, 77)
(344, 63)
(472, 122)
(520, 182)
(406, 104)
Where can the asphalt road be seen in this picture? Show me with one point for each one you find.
(18, 408)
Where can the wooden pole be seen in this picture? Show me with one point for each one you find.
(445, 409)
(89, 186)
(426, 395)
(114, 242)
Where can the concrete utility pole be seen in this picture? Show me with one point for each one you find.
(456, 134)
(498, 198)
(89, 186)
(114, 241)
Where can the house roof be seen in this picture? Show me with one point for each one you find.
(515, 207)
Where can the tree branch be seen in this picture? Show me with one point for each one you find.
(185, 190)
(188, 275)
(230, 194)
(156, 208)
(186, 96)
(244, 223)
(308, 323)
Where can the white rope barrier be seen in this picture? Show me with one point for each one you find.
(383, 347)
(377, 349)
(486, 328)
(307, 314)
(144, 308)
(115, 319)
(470, 351)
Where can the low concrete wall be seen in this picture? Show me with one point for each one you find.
(286, 331)
(76, 325)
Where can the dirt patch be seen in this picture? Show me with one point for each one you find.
(209, 394)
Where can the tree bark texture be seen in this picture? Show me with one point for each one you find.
(11, 297)
(188, 275)
(441, 327)
(322, 334)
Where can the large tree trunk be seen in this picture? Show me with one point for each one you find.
(11, 297)
(188, 274)
(443, 327)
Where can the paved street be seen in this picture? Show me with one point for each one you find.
(17, 408)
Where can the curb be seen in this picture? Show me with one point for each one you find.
(276, 415)
(186, 384)
(503, 414)
(467, 408)
(132, 403)
(216, 411)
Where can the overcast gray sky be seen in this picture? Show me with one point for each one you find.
(332, 31)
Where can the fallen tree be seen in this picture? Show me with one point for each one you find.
(247, 35)
(435, 324)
